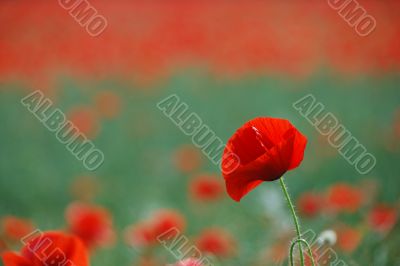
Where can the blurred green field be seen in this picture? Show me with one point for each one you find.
(139, 175)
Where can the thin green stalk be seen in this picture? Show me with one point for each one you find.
(295, 219)
(299, 241)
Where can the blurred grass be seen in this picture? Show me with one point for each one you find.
(138, 175)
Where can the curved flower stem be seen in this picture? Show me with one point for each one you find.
(295, 219)
(300, 240)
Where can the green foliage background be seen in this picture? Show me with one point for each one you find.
(138, 175)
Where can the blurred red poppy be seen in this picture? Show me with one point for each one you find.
(206, 188)
(348, 239)
(189, 262)
(108, 104)
(309, 204)
(266, 148)
(217, 241)
(15, 228)
(146, 233)
(140, 235)
(344, 197)
(382, 218)
(164, 220)
(85, 120)
(187, 158)
(92, 223)
(49, 248)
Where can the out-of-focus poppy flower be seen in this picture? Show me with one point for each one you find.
(266, 149)
(92, 223)
(149, 232)
(206, 188)
(108, 104)
(140, 235)
(189, 262)
(217, 241)
(187, 158)
(382, 218)
(309, 204)
(165, 220)
(343, 197)
(49, 248)
(348, 239)
(15, 228)
(85, 188)
(85, 120)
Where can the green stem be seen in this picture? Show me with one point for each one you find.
(295, 219)
(308, 247)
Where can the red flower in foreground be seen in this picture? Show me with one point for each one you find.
(15, 228)
(189, 262)
(146, 233)
(206, 188)
(93, 224)
(50, 248)
(309, 204)
(266, 148)
(343, 197)
(382, 218)
(216, 241)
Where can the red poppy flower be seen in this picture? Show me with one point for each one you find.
(216, 241)
(93, 224)
(309, 204)
(146, 233)
(343, 197)
(15, 228)
(189, 262)
(348, 239)
(266, 148)
(85, 120)
(382, 218)
(206, 188)
(165, 220)
(140, 235)
(49, 248)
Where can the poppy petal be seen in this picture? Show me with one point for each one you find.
(12, 259)
(266, 148)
